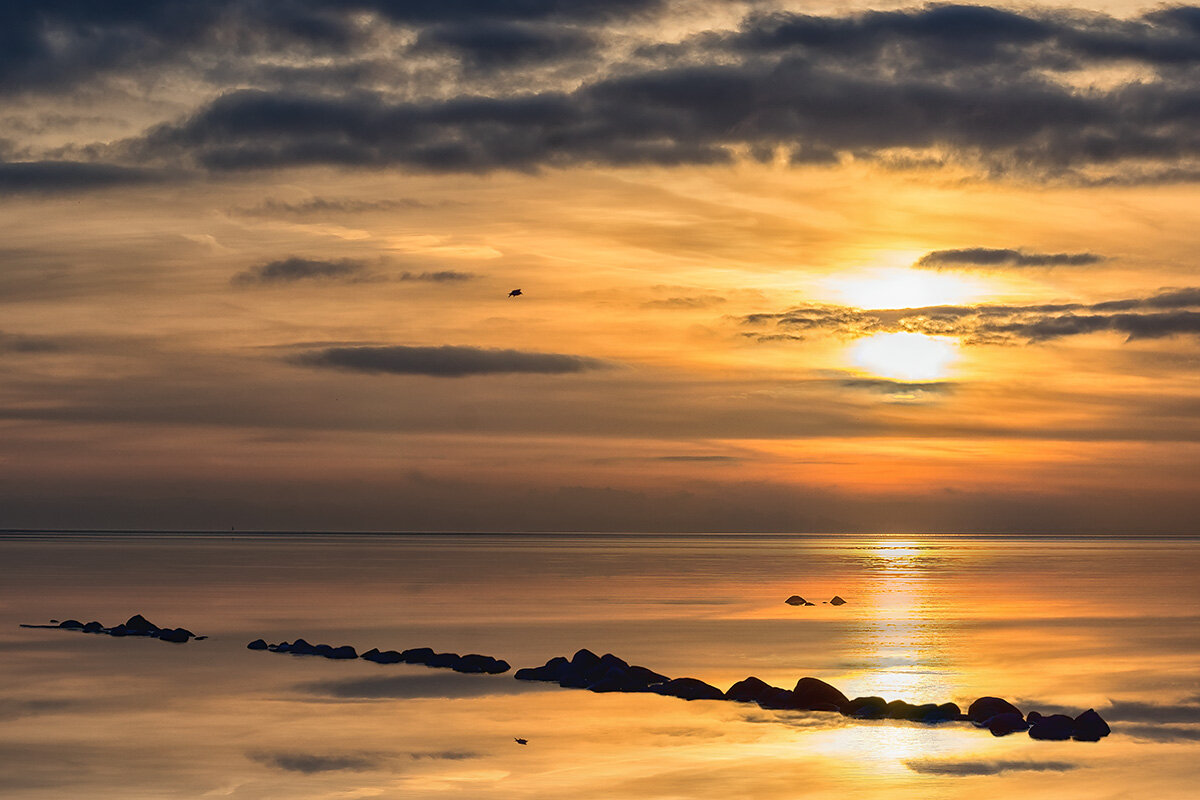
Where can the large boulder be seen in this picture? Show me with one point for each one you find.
(689, 689)
(1004, 724)
(137, 624)
(900, 709)
(1055, 727)
(985, 708)
(945, 712)
(1090, 727)
(93, 627)
(817, 695)
(866, 708)
(748, 690)
(777, 699)
(553, 670)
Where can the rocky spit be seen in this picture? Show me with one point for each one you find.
(470, 663)
(609, 673)
(137, 625)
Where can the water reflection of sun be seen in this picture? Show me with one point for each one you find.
(905, 356)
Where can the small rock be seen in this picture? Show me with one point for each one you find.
(257, 644)
(866, 708)
(795, 600)
(837, 601)
(1090, 727)
(1055, 727)
(748, 690)
(985, 708)
(1004, 724)
(689, 689)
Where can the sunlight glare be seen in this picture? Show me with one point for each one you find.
(905, 356)
(891, 287)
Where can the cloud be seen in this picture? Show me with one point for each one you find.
(965, 768)
(293, 269)
(311, 764)
(1136, 711)
(1162, 733)
(334, 205)
(49, 177)
(444, 755)
(447, 361)
(490, 44)
(885, 386)
(989, 257)
(1167, 313)
(686, 303)
(15, 343)
(440, 276)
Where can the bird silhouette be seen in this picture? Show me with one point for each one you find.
(521, 741)
(515, 293)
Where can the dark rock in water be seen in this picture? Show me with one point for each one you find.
(795, 600)
(748, 690)
(946, 712)
(809, 604)
(70, 624)
(257, 644)
(627, 679)
(899, 709)
(1055, 727)
(416, 655)
(93, 627)
(324, 650)
(1004, 724)
(1090, 727)
(474, 663)
(812, 692)
(178, 635)
(300, 647)
(837, 601)
(645, 676)
(777, 699)
(689, 689)
(1033, 718)
(118, 630)
(866, 708)
(343, 652)
(442, 660)
(139, 624)
(386, 657)
(985, 708)
(552, 670)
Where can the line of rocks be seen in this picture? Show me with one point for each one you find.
(797, 600)
(609, 673)
(471, 663)
(137, 625)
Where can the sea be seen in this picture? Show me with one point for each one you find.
(1050, 623)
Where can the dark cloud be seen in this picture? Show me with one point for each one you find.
(444, 755)
(1168, 313)
(686, 303)
(1136, 711)
(293, 269)
(990, 257)
(884, 386)
(447, 361)
(964, 768)
(492, 44)
(334, 205)
(440, 276)
(1162, 733)
(311, 764)
(47, 177)
(15, 343)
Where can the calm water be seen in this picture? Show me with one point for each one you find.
(1049, 624)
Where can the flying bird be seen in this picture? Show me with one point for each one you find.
(515, 293)
(521, 741)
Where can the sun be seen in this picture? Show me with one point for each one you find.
(905, 356)
(892, 287)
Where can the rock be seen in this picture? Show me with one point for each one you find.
(837, 601)
(1004, 724)
(177, 635)
(646, 677)
(475, 663)
(442, 660)
(812, 692)
(93, 627)
(689, 689)
(1033, 718)
(257, 644)
(552, 670)
(1055, 727)
(139, 624)
(795, 600)
(985, 708)
(866, 708)
(1090, 727)
(946, 712)
(899, 709)
(386, 657)
(776, 698)
(343, 652)
(747, 690)
(118, 630)
(70, 624)
(300, 647)
(809, 604)
(416, 655)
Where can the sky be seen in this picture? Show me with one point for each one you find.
(795, 267)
